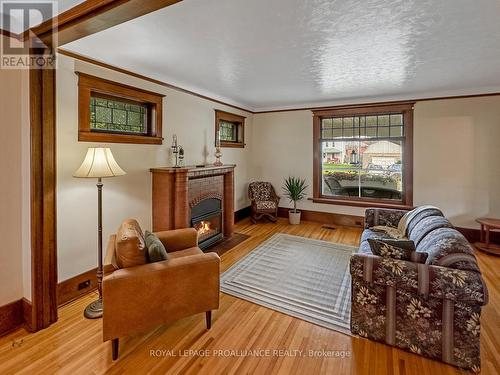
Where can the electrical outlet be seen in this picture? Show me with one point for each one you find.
(84, 284)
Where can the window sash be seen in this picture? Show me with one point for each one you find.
(112, 105)
(228, 131)
(363, 175)
(359, 126)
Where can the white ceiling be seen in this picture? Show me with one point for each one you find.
(268, 54)
(16, 22)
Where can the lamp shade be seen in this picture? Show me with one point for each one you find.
(99, 162)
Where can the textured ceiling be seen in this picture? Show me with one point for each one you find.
(267, 54)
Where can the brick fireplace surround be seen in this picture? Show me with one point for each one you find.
(176, 190)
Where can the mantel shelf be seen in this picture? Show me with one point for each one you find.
(192, 168)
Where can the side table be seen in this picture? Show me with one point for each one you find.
(487, 225)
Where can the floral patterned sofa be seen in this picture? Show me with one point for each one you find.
(431, 309)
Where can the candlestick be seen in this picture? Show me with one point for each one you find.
(175, 150)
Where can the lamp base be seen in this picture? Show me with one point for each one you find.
(93, 310)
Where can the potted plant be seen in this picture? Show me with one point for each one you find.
(295, 190)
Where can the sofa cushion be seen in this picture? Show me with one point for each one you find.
(447, 247)
(156, 249)
(185, 253)
(130, 248)
(396, 249)
(427, 225)
(265, 205)
(421, 215)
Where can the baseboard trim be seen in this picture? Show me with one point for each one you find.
(473, 235)
(326, 217)
(11, 316)
(68, 290)
(242, 214)
(27, 314)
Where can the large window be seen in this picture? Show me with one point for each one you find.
(115, 113)
(363, 155)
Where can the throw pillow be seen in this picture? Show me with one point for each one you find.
(156, 250)
(396, 249)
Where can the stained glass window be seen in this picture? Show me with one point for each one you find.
(117, 115)
(228, 131)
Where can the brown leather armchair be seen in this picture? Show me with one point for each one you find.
(264, 201)
(148, 295)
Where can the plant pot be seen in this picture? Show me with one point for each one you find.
(294, 217)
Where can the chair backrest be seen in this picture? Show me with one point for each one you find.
(260, 191)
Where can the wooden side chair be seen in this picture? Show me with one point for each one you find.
(264, 201)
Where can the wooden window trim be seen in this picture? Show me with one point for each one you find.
(230, 117)
(88, 84)
(406, 108)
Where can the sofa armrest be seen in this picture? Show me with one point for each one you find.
(422, 279)
(141, 297)
(383, 216)
(178, 239)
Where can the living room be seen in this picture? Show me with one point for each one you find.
(357, 122)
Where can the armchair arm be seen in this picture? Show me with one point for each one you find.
(275, 197)
(383, 216)
(422, 279)
(141, 297)
(178, 239)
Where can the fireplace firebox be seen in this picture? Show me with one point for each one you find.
(206, 218)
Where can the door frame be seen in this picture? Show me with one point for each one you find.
(82, 20)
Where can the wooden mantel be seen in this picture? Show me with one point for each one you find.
(174, 189)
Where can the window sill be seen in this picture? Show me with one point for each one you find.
(232, 145)
(118, 138)
(361, 203)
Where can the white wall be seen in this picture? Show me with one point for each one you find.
(14, 182)
(188, 116)
(456, 155)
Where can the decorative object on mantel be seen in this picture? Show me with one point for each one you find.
(488, 224)
(294, 189)
(98, 163)
(181, 156)
(178, 152)
(218, 153)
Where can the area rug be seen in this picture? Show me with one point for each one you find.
(305, 278)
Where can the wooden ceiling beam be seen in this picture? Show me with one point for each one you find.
(93, 16)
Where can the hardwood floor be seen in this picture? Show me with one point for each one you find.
(74, 345)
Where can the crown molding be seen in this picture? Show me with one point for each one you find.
(146, 78)
(311, 107)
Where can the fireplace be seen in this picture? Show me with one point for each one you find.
(192, 196)
(206, 218)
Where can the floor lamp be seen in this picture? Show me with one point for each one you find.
(98, 163)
